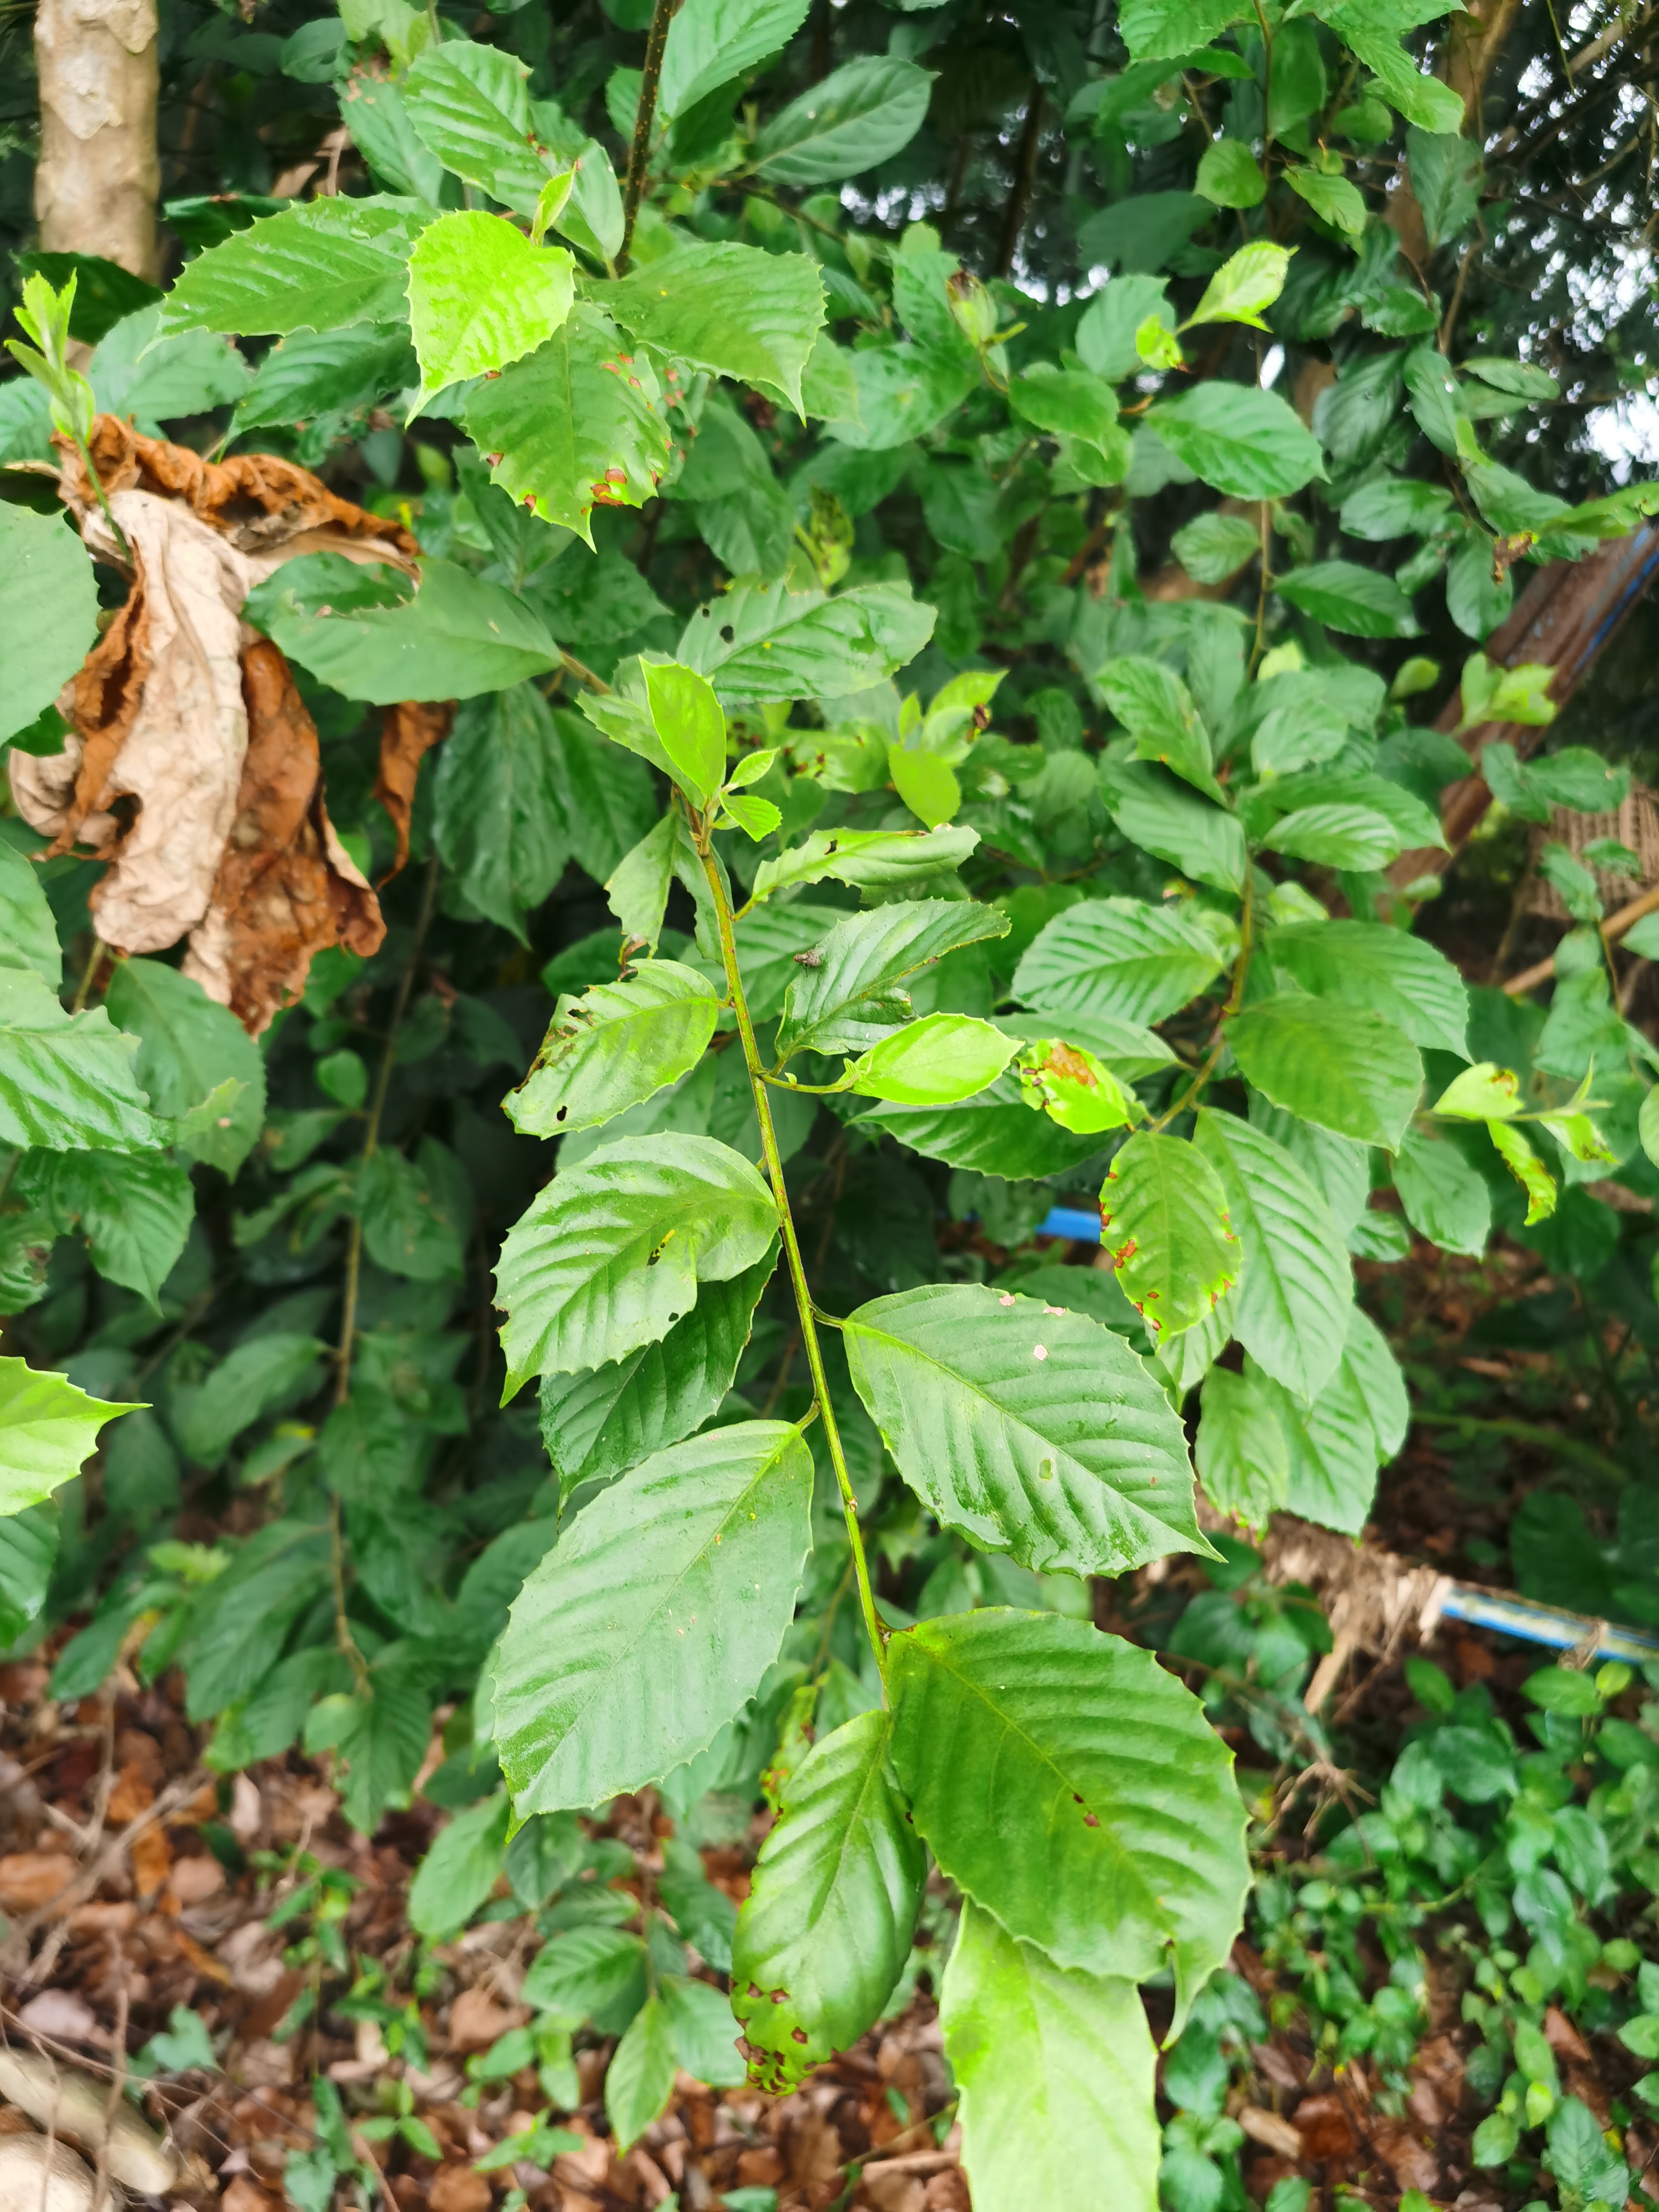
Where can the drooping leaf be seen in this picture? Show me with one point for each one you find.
(1359, 602)
(379, 1735)
(653, 1617)
(734, 310)
(639, 2079)
(188, 1046)
(1164, 1220)
(873, 860)
(1155, 810)
(1445, 1199)
(848, 998)
(481, 296)
(766, 641)
(28, 1552)
(826, 1930)
(48, 612)
(28, 936)
(135, 1213)
(1246, 283)
(1244, 441)
(1407, 981)
(861, 113)
(66, 1080)
(1244, 1460)
(1116, 957)
(48, 1429)
(711, 42)
(1357, 1421)
(995, 1132)
(1074, 1790)
(1157, 709)
(1333, 1064)
(461, 1868)
(327, 372)
(602, 1419)
(618, 1043)
(1290, 1308)
(609, 1255)
(1054, 2070)
(322, 264)
(471, 105)
(1029, 1427)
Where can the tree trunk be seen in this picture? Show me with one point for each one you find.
(95, 188)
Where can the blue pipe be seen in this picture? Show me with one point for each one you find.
(1070, 1221)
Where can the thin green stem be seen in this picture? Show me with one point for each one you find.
(97, 483)
(803, 1306)
(83, 989)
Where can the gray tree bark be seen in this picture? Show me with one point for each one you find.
(96, 186)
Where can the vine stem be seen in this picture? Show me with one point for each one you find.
(639, 153)
(804, 1307)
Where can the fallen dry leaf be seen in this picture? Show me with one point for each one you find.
(1324, 2128)
(63, 2014)
(476, 2020)
(1413, 2165)
(133, 1794)
(152, 1861)
(458, 2189)
(194, 1881)
(1271, 2132)
(29, 1880)
(408, 733)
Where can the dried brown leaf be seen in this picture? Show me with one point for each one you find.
(408, 733)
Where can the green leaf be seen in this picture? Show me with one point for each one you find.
(1074, 1790)
(1333, 199)
(1072, 403)
(66, 1080)
(28, 1553)
(1357, 1422)
(1164, 816)
(259, 1376)
(48, 1429)
(1030, 1428)
(460, 1870)
(188, 1047)
(710, 42)
(1290, 1308)
(397, 157)
(602, 1419)
(1372, 34)
(134, 1213)
(764, 641)
(705, 2033)
(607, 1257)
(1119, 957)
(417, 1214)
(860, 114)
(1445, 1199)
(481, 296)
(734, 310)
(1407, 981)
(1528, 1171)
(618, 1044)
(1244, 441)
(1157, 709)
(926, 784)
(503, 815)
(471, 105)
(847, 998)
(48, 612)
(1216, 546)
(1055, 2070)
(1246, 284)
(379, 1737)
(653, 1617)
(457, 636)
(688, 719)
(320, 265)
(1335, 837)
(1338, 1066)
(933, 1061)
(1164, 1222)
(994, 1131)
(639, 2079)
(1229, 175)
(1152, 30)
(573, 425)
(1243, 1458)
(826, 1930)
(873, 860)
(1360, 602)
(1076, 1089)
(28, 935)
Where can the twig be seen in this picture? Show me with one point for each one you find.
(1030, 145)
(117, 2080)
(639, 153)
(176, 1794)
(1613, 928)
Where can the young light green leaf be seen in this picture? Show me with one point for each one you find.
(601, 1420)
(1163, 1221)
(1054, 2070)
(653, 1617)
(1336, 1065)
(618, 1043)
(609, 1255)
(1245, 283)
(1290, 1308)
(1445, 1199)
(28, 935)
(861, 113)
(873, 860)
(933, 1061)
(765, 641)
(926, 784)
(66, 1080)
(994, 1131)
(322, 264)
(460, 1871)
(1068, 1083)
(1404, 979)
(1074, 1790)
(847, 998)
(734, 310)
(1243, 441)
(710, 42)
(639, 2079)
(1117, 956)
(1243, 1458)
(1484, 1092)
(48, 612)
(48, 1429)
(1528, 1171)
(575, 425)
(1031, 1428)
(826, 1930)
(1073, 403)
(1157, 709)
(188, 1045)
(1357, 1421)
(480, 296)
(688, 721)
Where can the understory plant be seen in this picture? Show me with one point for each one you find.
(847, 846)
